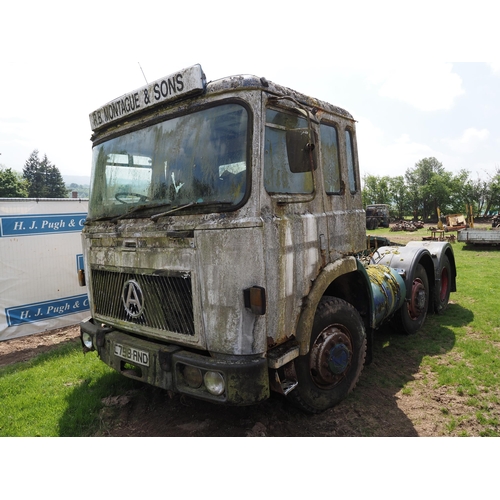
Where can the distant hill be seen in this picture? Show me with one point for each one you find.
(81, 180)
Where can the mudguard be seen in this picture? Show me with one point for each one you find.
(347, 266)
(439, 250)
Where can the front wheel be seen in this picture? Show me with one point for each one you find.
(331, 368)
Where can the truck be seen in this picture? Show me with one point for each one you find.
(377, 215)
(225, 246)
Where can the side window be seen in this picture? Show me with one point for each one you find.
(350, 162)
(330, 158)
(287, 164)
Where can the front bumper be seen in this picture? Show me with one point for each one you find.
(162, 365)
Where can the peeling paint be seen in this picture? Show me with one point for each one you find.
(388, 291)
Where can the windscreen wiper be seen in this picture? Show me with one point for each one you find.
(180, 207)
(138, 209)
(190, 204)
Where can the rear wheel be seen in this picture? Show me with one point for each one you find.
(413, 313)
(442, 292)
(331, 368)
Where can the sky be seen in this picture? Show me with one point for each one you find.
(421, 81)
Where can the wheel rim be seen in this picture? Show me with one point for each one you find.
(418, 297)
(444, 284)
(330, 356)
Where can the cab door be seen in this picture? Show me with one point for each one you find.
(346, 219)
(294, 217)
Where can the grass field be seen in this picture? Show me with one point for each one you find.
(468, 363)
(60, 393)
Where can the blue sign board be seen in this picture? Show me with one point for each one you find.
(29, 225)
(39, 311)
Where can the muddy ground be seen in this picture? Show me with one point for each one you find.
(377, 407)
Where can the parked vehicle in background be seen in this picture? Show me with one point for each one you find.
(377, 215)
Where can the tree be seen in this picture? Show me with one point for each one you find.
(475, 194)
(55, 183)
(376, 190)
(32, 174)
(493, 193)
(462, 193)
(436, 193)
(12, 185)
(427, 186)
(399, 196)
(45, 180)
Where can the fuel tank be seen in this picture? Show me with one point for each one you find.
(388, 290)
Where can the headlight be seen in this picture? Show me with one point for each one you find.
(87, 341)
(214, 382)
(192, 376)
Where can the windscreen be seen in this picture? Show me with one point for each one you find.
(193, 160)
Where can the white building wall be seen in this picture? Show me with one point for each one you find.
(40, 254)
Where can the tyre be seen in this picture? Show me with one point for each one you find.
(331, 368)
(371, 223)
(414, 311)
(442, 292)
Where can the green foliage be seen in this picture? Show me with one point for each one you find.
(492, 193)
(428, 182)
(376, 190)
(44, 179)
(12, 185)
(399, 194)
(428, 186)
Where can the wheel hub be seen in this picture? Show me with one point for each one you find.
(418, 297)
(331, 356)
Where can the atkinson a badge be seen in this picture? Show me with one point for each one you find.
(133, 298)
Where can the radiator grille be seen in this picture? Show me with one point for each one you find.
(168, 300)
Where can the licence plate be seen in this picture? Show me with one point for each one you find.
(132, 354)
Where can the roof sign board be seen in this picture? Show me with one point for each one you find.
(188, 81)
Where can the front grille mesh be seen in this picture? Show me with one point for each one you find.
(168, 300)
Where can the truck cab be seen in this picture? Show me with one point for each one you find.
(222, 241)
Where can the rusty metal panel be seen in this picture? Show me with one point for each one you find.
(479, 236)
